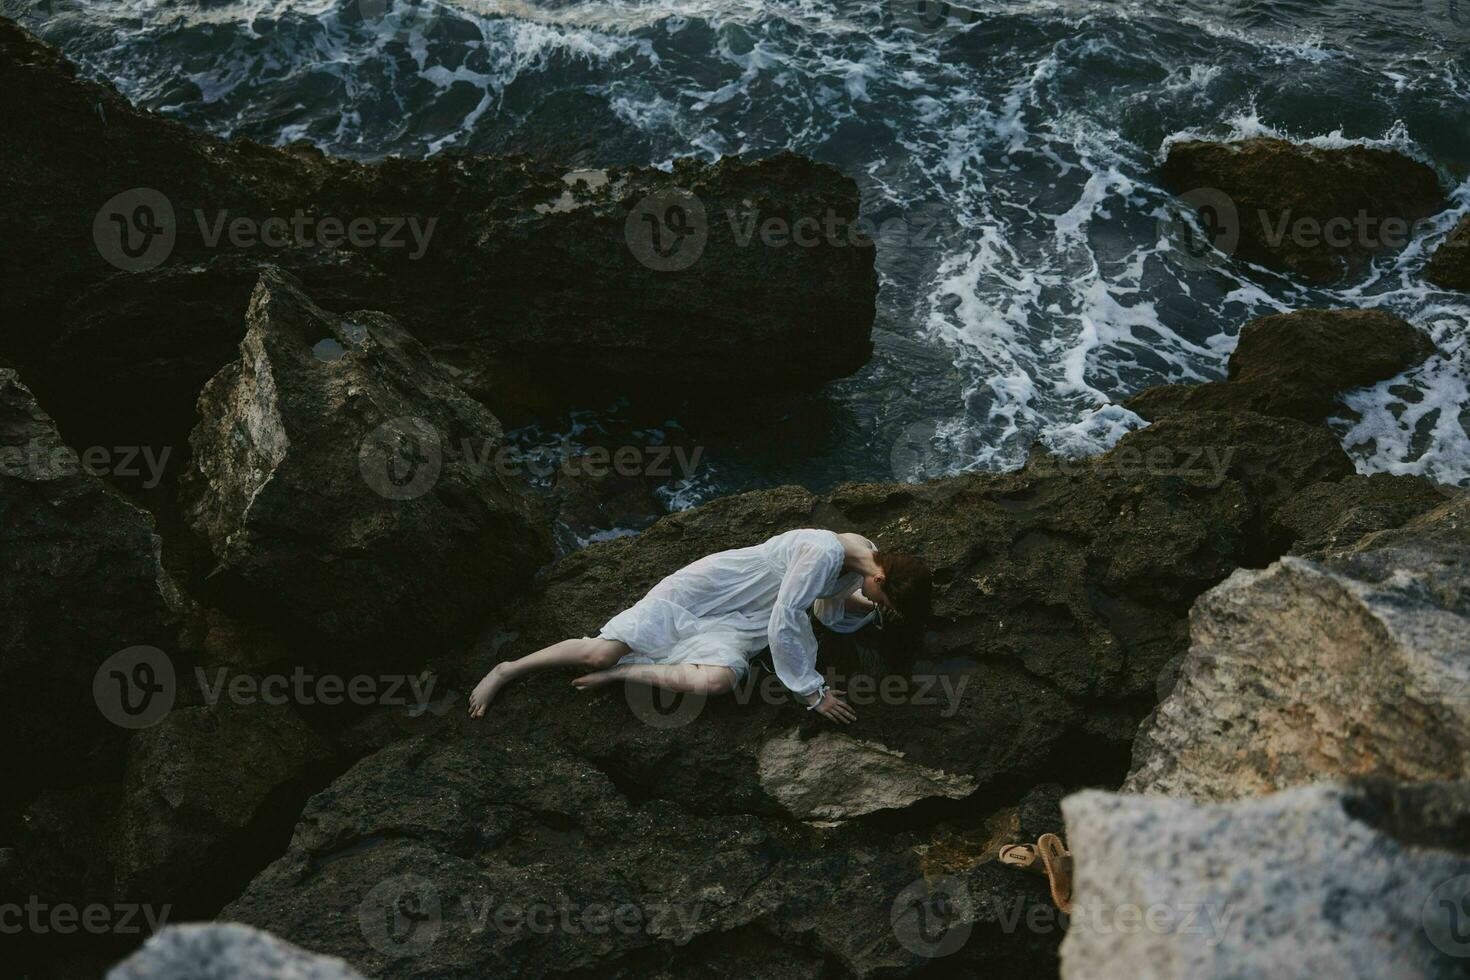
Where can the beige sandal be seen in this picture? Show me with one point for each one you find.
(1058, 862)
(1049, 857)
(1019, 856)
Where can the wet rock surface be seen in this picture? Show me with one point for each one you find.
(1306, 882)
(1449, 266)
(475, 835)
(1294, 365)
(343, 480)
(1315, 212)
(1335, 515)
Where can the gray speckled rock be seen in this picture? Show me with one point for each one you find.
(1302, 672)
(226, 951)
(1320, 881)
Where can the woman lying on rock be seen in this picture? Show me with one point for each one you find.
(698, 629)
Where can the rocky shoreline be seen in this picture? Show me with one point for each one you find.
(1219, 609)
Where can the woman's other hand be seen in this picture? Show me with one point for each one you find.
(834, 709)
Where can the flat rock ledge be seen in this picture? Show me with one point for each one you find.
(830, 777)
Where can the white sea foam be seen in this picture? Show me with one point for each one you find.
(1096, 432)
(1051, 289)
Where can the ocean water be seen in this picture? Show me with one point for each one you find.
(1032, 269)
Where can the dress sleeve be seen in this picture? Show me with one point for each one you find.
(814, 562)
(833, 612)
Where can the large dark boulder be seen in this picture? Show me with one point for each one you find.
(81, 579)
(1271, 457)
(538, 282)
(207, 799)
(347, 486)
(139, 347)
(1294, 365)
(1333, 515)
(1314, 212)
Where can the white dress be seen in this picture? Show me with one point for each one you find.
(725, 608)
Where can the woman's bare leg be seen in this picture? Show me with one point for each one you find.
(684, 678)
(586, 652)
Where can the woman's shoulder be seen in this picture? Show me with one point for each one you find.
(813, 537)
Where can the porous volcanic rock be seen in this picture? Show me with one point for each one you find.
(345, 483)
(1327, 880)
(502, 856)
(1294, 365)
(1356, 201)
(1334, 515)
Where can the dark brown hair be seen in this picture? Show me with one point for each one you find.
(908, 584)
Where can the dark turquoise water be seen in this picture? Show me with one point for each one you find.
(1007, 153)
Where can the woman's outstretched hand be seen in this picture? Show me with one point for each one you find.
(834, 709)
